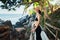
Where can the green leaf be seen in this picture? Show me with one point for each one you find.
(36, 4)
(30, 0)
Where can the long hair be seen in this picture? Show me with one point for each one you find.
(39, 11)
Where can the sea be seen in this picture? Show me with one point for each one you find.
(12, 17)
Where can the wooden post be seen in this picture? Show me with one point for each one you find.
(56, 35)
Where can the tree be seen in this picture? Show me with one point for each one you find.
(10, 3)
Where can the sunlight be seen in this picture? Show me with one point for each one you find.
(53, 2)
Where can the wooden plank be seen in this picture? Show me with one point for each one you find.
(56, 35)
(55, 28)
(52, 33)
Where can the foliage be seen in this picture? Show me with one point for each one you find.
(8, 4)
(36, 4)
(56, 17)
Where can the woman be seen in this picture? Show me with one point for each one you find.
(37, 24)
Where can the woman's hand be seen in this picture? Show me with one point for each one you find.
(33, 30)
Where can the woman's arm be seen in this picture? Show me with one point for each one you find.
(37, 22)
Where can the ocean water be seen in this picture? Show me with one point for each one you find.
(12, 17)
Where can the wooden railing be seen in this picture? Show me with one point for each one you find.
(53, 27)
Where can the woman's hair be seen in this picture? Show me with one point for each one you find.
(39, 12)
(36, 19)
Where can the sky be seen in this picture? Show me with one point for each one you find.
(17, 11)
